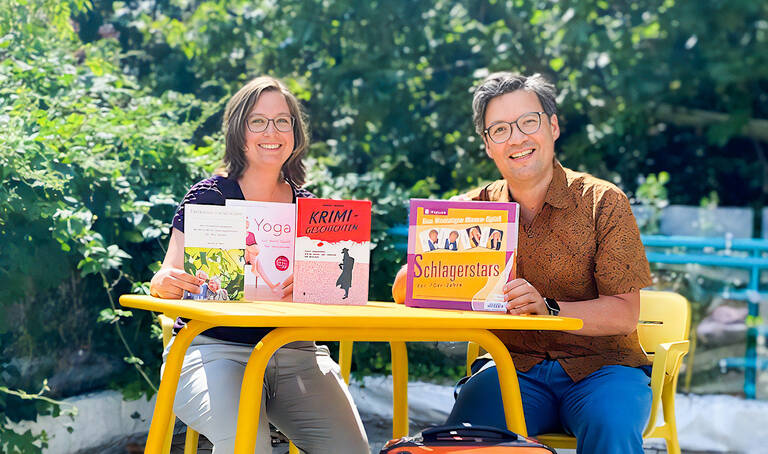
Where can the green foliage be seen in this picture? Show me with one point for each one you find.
(652, 196)
(92, 166)
(12, 442)
(424, 362)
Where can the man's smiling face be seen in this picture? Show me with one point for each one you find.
(522, 158)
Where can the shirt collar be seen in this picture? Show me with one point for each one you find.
(557, 194)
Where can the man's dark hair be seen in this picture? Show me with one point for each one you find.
(500, 83)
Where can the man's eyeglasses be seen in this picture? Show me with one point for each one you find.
(528, 123)
(259, 123)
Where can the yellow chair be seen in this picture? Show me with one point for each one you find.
(663, 330)
(190, 442)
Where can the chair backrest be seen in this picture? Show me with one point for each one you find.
(664, 317)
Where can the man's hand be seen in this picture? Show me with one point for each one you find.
(523, 298)
(170, 283)
(399, 286)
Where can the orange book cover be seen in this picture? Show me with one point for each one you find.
(460, 254)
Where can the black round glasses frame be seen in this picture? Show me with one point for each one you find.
(487, 132)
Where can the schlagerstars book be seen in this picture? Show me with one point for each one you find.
(460, 254)
(269, 238)
(214, 249)
(333, 241)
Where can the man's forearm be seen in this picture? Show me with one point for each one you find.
(605, 315)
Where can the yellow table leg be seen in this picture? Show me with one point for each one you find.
(253, 379)
(399, 389)
(252, 387)
(510, 388)
(161, 416)
(169, 434)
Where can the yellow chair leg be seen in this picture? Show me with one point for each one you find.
(673, 447)
(292, 449)
(473, 350)
(190, 443)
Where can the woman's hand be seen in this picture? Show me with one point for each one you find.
(170, 283)
(523, 298)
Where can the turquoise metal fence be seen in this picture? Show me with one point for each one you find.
(728, 253)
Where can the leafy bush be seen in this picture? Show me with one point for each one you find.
(92, 168)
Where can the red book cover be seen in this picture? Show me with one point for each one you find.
(333, 249)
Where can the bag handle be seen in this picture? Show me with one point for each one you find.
(470, 431)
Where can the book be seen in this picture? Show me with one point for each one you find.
(333, 248)
(214, 250)
(460, 254)
(269, 238)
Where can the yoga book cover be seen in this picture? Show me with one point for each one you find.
(270, 229)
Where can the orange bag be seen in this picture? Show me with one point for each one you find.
(465, 439)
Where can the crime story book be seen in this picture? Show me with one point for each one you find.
(333, 248)
(460, 253)
(214, 250)
(269, 239)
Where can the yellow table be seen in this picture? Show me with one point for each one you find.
(374, 322)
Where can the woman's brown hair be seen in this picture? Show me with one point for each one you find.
(235, 116)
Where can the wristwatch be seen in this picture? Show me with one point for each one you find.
(552, 306)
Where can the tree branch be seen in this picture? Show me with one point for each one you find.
(754, 128)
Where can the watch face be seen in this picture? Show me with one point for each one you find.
(552, 305)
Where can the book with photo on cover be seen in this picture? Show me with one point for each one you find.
(460, 254)
(214, 250)
(269, 238)
(333, 242)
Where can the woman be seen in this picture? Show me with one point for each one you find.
(305, 396)
(495, 241)
(474, 236)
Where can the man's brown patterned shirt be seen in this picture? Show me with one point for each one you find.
(582, 244)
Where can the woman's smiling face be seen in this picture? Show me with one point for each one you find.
(270, 147)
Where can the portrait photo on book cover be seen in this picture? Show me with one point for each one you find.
(494, 239)
(430, 239)
(221, 269)
(477, 236)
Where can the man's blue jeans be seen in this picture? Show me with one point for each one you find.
(606, 411)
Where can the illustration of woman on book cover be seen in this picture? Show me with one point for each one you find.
(252, 258)
(345, 279)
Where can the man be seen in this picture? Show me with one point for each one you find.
(580, 255)
(432, 242)
(345, 278)
(451, 243)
